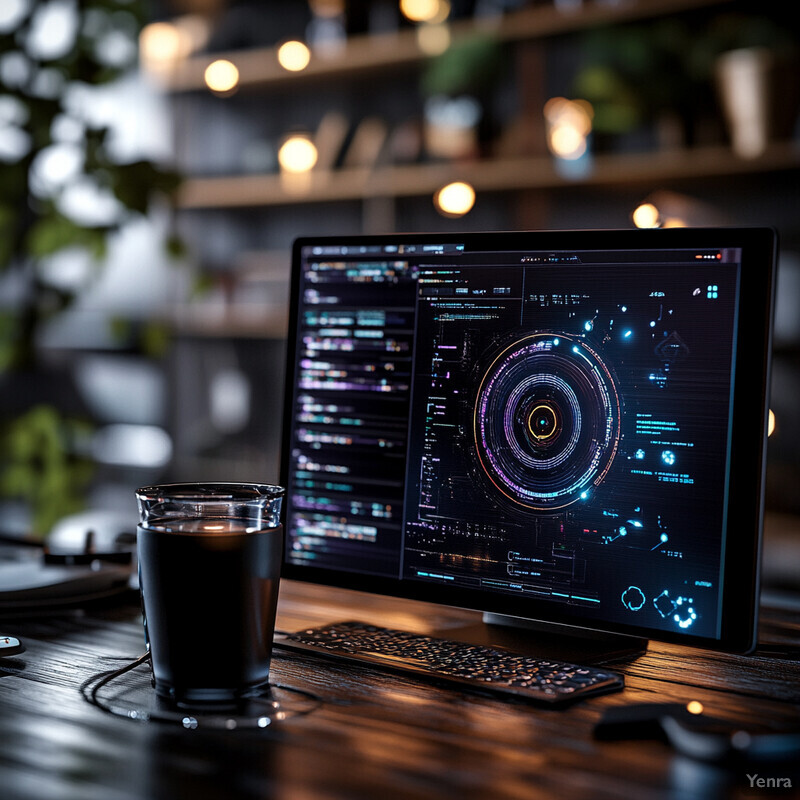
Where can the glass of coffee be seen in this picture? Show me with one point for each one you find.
(209, 569)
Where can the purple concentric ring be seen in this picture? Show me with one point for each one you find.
(563, 374)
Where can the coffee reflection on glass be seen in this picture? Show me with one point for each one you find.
(209, 570)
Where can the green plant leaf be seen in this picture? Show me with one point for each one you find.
(134, 183)
(470, 66)
(155, 339)
(54, 232)
(40, 465)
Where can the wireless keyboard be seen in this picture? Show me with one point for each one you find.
(472, 666)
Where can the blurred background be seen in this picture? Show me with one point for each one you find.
(157, 159)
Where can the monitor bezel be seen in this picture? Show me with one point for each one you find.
(741, 585)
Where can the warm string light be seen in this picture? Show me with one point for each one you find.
(222, 76)
(162, 45)
(455, 199)
(297, 158)
(649, 215)
(297, 154)
(294, 56)
(646, 216)
(433, 34)
(569, 123)
(430, 11)
(433, 38)
(160, 42)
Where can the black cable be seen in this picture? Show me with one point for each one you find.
(103, 678)
(265, 709)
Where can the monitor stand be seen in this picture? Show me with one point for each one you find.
(548, 640)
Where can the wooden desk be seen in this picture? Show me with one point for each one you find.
(375, 735)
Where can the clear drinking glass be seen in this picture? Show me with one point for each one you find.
(209, 571)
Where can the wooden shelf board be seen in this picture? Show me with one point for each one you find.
(266, 322)
(367, 54)
(493, 175)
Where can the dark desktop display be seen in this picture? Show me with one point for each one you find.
(545, 425)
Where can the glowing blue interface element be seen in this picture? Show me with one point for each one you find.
(633, 598)
(546, 426)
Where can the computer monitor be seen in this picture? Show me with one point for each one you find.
(567, 427)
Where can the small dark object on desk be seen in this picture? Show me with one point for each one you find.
(79, 559)
(41, 584)
(470, 666)
(9, 646)
(694, 734)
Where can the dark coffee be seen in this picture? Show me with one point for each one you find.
(209, 602)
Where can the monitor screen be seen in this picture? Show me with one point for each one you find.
(568, 427)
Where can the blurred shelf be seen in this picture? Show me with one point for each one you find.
(234, 321)
(492, 175)
(368, 54)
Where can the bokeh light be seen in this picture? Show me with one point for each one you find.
(646, 216)
(53, 30)
(222, 76)
(297, 154)
(294, 56)
(161, 44)
(433, 38)
(454, 200)
(569, 123)
(425, 10)
(11, 14)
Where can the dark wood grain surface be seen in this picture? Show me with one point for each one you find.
(373, 734)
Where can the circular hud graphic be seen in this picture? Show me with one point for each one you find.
(546, 421)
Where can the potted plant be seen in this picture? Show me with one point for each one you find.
(49, 144)
(640, 81)
(751, 61)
